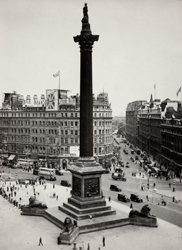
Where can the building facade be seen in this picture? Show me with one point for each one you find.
(149, 130)
(132, 121)
(159, 132)
(49, 128)
(171, 144)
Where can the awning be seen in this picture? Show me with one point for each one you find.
(11, 157)
(4, 155)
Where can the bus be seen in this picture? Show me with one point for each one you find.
(47, 173)
(24, 163)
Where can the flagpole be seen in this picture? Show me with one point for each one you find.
(59, 80)
(154, 91)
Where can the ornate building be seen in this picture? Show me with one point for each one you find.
(149, 131)
(132, 121)
(49, 127)
(171, 145)
(159, 131)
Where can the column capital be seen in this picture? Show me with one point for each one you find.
(86, 41)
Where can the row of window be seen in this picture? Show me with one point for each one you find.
(50, 114)
(53, 140)
(53, 151)
(50, 123)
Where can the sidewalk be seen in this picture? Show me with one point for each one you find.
(169, 193)
(19, 232)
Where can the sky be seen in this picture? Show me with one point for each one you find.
(139, 47)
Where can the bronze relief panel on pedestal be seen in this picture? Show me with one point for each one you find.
(91, 187)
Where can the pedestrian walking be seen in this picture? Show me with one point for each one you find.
(147, 197)
(169, 184)
(131, 206)
(154, 185)
(103, 241)
(40, 241)
(88, 247)
(109, 198)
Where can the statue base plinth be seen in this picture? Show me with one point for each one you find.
(87, 197)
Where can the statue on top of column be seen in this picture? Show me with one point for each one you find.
(85, 14)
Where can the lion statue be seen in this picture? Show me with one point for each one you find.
(67, 226)
(35, 203)
(144, 212)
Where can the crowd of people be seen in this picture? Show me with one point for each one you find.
(18, 192)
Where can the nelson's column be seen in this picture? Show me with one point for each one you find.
(87, 197)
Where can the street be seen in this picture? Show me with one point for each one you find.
(171, 212)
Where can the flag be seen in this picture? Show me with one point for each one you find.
(179, 90)
(57, 74)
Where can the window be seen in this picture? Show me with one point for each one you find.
(76, 132)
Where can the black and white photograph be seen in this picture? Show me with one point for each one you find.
(91, 124)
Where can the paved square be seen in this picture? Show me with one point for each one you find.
(19, 232)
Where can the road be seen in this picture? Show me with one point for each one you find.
(171, 213)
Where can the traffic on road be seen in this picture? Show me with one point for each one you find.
(127, 181)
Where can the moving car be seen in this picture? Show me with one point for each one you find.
(136, 198)
(118, 176)
(65, 183)
(123, 197)
(115, 188)
(58, 172)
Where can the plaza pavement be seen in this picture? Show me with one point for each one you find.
(19, 232)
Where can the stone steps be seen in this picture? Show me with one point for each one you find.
(86, 210)
(67, 209)
(104, 225)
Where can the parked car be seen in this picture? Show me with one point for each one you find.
(136, 198)
(58, 172)
(123, 197)
(115, 188)
(65, 183)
